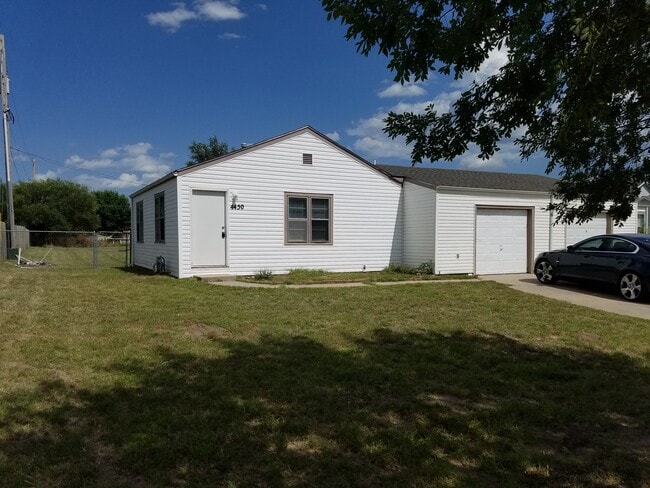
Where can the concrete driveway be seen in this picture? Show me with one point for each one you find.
(585, 295)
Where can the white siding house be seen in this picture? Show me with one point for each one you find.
(300, 200)
(295, 201)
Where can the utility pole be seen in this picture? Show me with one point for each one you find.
(6, 114)
(33, 169)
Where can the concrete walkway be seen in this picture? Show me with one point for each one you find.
(578, 294)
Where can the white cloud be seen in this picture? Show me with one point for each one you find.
(217, 10)
(500, 159)
(382, 147)
(373, 143)
(206, 10)
(135, 161)
(230, 36)
(491, 66)
(49, 175)
(171, 20)
(79, 162)
(402, 90)
(263, 6)
(335, 136)
(123, 182)
(108, 153)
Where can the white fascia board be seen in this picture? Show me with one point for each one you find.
(491, 190)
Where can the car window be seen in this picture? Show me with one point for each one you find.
(620, 245)
(590, 244)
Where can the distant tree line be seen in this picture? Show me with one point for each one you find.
(51, 205)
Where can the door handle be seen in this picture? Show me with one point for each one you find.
(223, 234)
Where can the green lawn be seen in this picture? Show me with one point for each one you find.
(315, 276)
(111, 378)
(79, 257)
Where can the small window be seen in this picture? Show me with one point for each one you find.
(307, 158)
(159, 217)
(619, 245)
(139, 221)
(309, 219)
(641, 222)
(590, 245)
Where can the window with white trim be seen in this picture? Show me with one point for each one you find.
(159, 216)
(308, 219)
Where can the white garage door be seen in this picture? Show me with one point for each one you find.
(578, 232)
(501, 241)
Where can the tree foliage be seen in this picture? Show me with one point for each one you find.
(113, 210)
(55, 205)
(575, 84)
(201, 151)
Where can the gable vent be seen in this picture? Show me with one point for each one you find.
(307, 158)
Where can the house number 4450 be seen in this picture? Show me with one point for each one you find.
(237, 206)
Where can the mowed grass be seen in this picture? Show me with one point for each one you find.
(79, 257)
(111, 378)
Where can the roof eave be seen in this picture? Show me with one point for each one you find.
(160, 181)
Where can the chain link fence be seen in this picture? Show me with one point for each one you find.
(68, 249)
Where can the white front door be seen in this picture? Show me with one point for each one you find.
(208, 228)
(501, 241)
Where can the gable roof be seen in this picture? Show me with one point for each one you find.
(253, 147)
(459, 178)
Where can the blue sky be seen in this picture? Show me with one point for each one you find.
(110, 93)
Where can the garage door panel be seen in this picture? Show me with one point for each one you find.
(577, 232)
(501, 241)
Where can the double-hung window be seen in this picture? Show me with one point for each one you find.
(159, 216)
(139, 221)
(308, 219)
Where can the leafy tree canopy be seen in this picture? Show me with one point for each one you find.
(113, 210)
(575, 84)
(201, 151)
(55, 205)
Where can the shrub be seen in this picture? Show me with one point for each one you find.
(399, 268)
(426, 268)
(263, 274)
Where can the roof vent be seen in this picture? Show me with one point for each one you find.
(307, 158)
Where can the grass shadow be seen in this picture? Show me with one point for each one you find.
(136, 270)
(395, 409)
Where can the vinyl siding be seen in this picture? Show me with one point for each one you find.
(630, 225)
(366, 226)
(456, 224)
(419, 224)
(145, 253)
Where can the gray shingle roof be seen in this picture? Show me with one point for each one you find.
(471, 179)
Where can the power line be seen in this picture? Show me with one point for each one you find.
(67, 166)
(16, 167)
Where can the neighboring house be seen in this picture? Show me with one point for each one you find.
(483, 222)
(643, 211)
(300, 200)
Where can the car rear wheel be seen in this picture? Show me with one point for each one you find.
(631, 286)
(544, 272)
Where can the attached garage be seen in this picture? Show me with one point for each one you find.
(483, 222)
(502, 244)
(577, 232)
